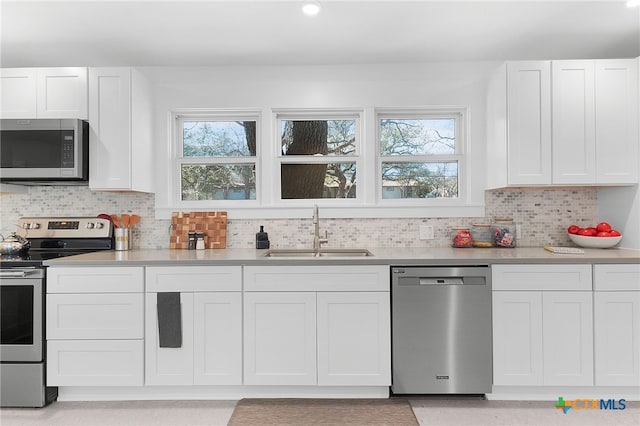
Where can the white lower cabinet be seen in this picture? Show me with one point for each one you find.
(517, 338)
(353, 344)
(542, 325)
(567, 338)
(617, 325)
(95, 362)
(280, 338)
(211, 326)
(335, 330)
(95, 326)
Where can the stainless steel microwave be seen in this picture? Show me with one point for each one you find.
(44, 151)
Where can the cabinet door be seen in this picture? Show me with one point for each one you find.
(529, 122)
(95, 316)
(218, 338)
(107, 279)
(18, 87)
(168, 366)
(354, 338)
(617, 338)
(280, 338)
(110, 128)
(95, 363)
(62, 93)
(517, 338)
(617, 121)
(568, 338)
(574, 143)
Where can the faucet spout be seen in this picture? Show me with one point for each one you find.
(317, 240)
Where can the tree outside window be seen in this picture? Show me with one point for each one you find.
(218, 159)
(419, 156)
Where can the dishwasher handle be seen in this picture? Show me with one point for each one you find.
(441, 281)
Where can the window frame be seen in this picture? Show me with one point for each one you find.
(368, 202)
(461, 141)
(177, 120)
(278, 115)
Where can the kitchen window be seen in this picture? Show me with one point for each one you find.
(420, 155)
(318, 154)
(217, 156)
(386, 162)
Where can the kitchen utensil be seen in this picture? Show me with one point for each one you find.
(595, 242)
(14, 244)
(133, 221)
(116, 221)
(125, 219)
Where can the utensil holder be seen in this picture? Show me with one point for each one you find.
(123, 238)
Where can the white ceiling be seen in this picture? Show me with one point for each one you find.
(244, 32)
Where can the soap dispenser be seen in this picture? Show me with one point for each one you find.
(262, 239)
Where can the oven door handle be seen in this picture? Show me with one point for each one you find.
(15, 274)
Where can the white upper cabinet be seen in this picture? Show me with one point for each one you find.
(563, 123)
(529, 122)
(120, 130)
(616, 121)
(30, 93)
(573, 130)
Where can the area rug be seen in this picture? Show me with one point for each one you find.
(371, 412)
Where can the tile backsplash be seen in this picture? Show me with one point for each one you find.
(542, 215)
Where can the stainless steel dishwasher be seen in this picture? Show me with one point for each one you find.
(441, 330)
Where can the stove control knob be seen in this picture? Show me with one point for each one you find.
(90, 225)
(34, 226)
(99, 225)
(26, 226)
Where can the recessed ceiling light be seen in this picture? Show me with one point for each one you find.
(633, 3)
(310, 7)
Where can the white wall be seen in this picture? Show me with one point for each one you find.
(348, 86)
(621, 208)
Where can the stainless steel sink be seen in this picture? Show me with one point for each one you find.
(318, 253)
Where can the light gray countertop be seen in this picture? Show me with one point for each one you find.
(381, 256)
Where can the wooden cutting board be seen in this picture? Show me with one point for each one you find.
(212, 224)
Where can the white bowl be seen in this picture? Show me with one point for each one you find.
(595, 242)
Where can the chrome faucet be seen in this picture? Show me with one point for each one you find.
(317, 240)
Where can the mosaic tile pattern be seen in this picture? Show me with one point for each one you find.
(542, 215)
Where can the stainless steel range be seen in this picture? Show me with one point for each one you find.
(22, 301)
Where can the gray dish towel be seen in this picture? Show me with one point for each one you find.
(169, 320)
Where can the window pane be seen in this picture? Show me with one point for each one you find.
(333, 180)
(219, 138)
(314, 137)
(428, 136)
(420, 180)
(218, 182)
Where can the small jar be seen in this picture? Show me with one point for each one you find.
(461, 237)
(481, 235)
(504, 232)
(200, 241)
(192, 241)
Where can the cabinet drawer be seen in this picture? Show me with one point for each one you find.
(95, 280)
(194, 278)
(541, 277)
(616, 277)
(95, 363)
(317, 278)
(95, 316)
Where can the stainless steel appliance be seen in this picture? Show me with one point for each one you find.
(441, 330)
(44, 151)
(22, 302)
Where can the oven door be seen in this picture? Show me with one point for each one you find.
(21, 314)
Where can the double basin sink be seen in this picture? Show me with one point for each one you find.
(296, 253)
